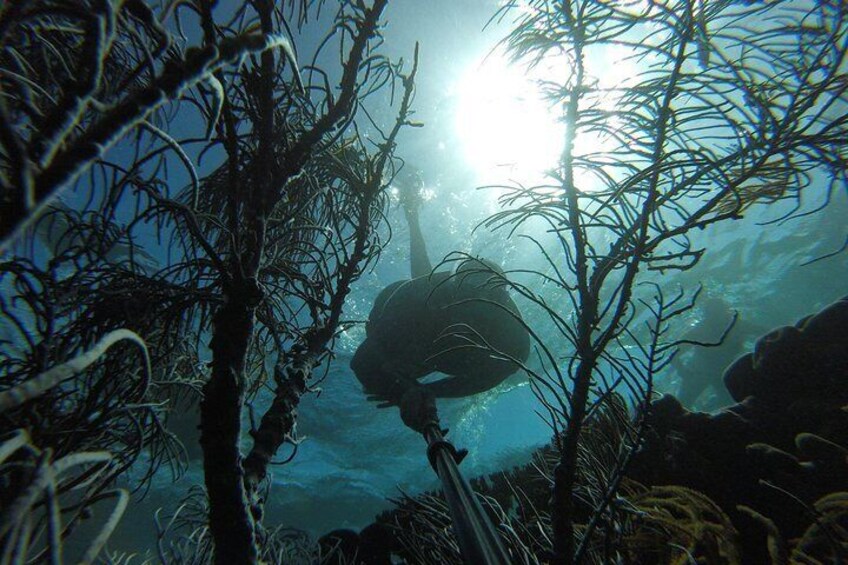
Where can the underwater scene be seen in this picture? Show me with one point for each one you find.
(424, 281)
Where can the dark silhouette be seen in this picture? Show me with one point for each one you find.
(462, 323)
(261, 246)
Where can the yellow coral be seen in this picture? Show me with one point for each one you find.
(680, 525)
(826, 540)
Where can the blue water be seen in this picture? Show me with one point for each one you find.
(353, 456)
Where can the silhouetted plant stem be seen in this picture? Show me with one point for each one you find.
(589, 287)
(565, 472)
(261, 251)
(232, 524)
(293, 371)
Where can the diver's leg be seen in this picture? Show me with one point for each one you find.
(418, 259)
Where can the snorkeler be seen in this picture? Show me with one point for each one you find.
(461, 323)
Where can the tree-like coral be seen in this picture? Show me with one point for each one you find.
(62, 112)
(255, 256)
(730, 104)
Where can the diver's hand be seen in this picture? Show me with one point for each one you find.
(383, 400)
(418, 408)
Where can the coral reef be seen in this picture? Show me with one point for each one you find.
(764, 480)
(685, 516)
(778, 450)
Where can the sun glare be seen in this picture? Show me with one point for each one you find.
(510, 132)
(504, 124)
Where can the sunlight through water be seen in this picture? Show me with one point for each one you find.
(509, 131)
(505, 126)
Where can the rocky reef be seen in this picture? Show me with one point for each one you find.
(780, 448)
(771, 469)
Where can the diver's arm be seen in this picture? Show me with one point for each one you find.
(458, 387)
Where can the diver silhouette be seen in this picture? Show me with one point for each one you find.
(461, 323)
